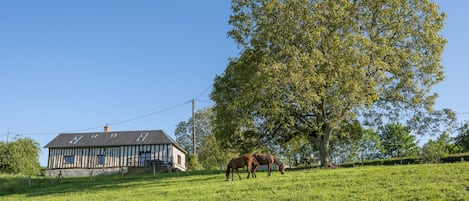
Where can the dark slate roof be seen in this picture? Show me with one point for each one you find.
(101, 139)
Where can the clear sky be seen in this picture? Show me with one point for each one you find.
(73, 66)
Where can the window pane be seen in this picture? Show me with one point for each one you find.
(100, 159)
(144, 156)
(69, 159)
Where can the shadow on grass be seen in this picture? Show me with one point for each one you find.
(41, 186)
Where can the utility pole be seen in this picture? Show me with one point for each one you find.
(8, 135)
(193, 127)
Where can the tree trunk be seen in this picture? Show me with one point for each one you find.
(323, 145)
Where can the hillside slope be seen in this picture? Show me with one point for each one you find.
(409, 182)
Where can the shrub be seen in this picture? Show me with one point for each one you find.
(194, 162)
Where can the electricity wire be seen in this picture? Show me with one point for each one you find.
(97, 127)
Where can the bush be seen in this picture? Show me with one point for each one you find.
(194, 162)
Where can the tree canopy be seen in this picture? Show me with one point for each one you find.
(462, 139)
(311, 67)
(209, 154)
(20, 157)
(203, 125)
(397, 140)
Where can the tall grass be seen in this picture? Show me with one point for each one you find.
(409, 182)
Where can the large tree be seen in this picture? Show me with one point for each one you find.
(307, 67)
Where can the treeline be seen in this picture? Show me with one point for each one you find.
(453, 158)
(356, 144)
(387, 145)
(20, 157)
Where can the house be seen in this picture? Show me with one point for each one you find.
(88, 154)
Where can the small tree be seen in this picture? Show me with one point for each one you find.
(20, 157)
(445, 141)
(462, 139)
(193, 162)
(183, 135)
(434, 150)
(397, 140)
(203, 126)
(369, 146)
(210, 154)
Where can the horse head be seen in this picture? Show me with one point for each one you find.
(281, 168)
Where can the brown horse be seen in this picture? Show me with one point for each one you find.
(269, 159)
(235, 163)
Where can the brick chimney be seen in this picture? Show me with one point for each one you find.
(107, 128)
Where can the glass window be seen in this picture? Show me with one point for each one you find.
(144, 156)
(101, 159)
(179, 159)
(69, 159)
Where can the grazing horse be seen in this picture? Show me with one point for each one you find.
(245, 160)
(269, 159)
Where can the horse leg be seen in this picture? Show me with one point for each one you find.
(232, 173)
(269, 169)
(238, 173)
(254, 168)
(249, 172)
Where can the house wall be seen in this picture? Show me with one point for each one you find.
(130, 155)
(181, 166)
(114, 157)
(85, 172)
(83, 157)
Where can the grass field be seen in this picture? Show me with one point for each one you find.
(408, 182)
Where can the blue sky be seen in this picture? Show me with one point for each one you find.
(73, 66)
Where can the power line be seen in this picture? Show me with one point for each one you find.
(149, 114)
(118, 122)
(204, 101)
(209, 86)
(114, 123)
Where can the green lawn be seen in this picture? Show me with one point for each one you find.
(409, 182)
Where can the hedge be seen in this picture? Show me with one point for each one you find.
(407, 160)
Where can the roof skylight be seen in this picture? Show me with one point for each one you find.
(75, 139)
(142, 137)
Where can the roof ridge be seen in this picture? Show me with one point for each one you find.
(129, 131)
